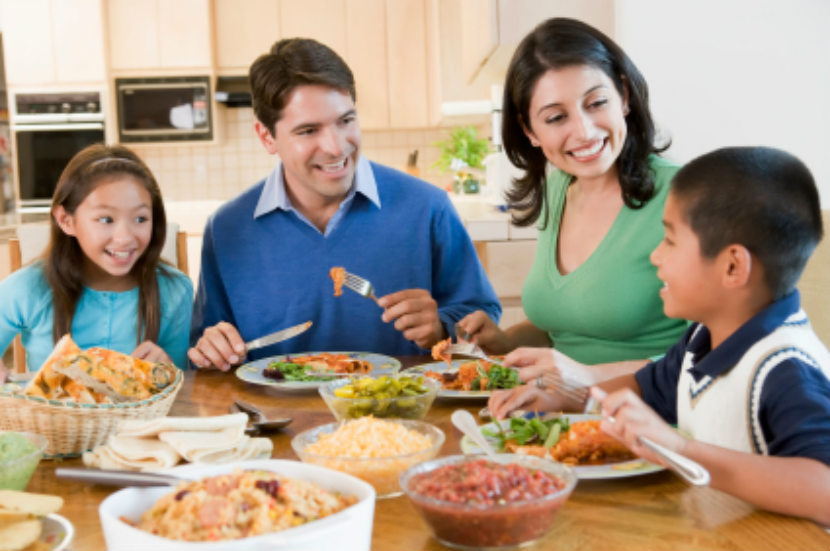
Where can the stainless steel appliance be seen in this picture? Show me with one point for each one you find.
(49, 128)
(164, 109)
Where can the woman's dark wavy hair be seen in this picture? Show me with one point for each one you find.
(63, 260)
(555, 44)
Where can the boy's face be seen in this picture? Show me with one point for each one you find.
(690, 281)
(318, 140)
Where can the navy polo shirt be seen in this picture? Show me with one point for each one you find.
(795, 398)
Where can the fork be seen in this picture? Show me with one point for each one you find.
(360, 286)
(469, 349)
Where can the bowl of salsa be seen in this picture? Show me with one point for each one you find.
(20, 453)
(475, 502)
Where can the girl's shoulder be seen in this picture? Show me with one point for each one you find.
(173, 281)
(30, 278)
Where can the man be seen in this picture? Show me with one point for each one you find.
(266, 255)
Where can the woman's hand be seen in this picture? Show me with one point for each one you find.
(151, 352)
(478, 328)
(632, 419)
(525, 397)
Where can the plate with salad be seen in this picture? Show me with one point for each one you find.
(573, 439)
(469, 378)
(308, 370)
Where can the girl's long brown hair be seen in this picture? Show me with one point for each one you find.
(64, 259)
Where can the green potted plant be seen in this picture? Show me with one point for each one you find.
(463, 153)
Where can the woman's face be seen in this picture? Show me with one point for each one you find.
(577, 117)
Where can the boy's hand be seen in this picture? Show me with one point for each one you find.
(479, 329)
(150, 351)
(415, 314)
(627, 418)
(220, 347)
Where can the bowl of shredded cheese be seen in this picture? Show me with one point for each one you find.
(374, 450)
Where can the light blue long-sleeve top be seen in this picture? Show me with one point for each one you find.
(102, 318)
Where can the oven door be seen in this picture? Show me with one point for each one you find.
(43, 151)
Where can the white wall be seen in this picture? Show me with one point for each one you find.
(736, 72)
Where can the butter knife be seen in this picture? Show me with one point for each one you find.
(279, 336)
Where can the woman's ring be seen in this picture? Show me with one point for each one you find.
(540, 382)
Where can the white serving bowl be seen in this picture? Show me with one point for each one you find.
(349, 529)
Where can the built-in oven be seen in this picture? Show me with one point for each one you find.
(49, 129)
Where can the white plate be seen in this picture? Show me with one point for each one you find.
(252, 372)
(634, 467)
(441, 367)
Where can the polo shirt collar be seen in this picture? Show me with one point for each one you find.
(274, 195)
(720, 360)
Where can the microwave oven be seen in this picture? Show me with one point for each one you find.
(164, 109)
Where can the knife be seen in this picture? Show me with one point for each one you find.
(278, 336)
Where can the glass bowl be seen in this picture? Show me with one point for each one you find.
(403, 406)
(16, 468)
(507, 521)
(383, 473)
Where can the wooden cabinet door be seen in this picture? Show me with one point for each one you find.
(27, 42)
(133, 34)
(407, 53)
(79, 54)
(184, 34)
(366, 54)
(322, 20)
(244, 31)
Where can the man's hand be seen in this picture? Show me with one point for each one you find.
(220, 347)
(478, 328)
(150, 351)
(415, 314)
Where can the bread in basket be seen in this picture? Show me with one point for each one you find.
(78, 398)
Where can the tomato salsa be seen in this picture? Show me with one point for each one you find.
(481, 503)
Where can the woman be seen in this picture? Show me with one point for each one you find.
(574, 100)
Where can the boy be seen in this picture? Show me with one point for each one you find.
(750, 381)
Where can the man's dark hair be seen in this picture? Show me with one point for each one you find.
(762, 198)
(290, 63)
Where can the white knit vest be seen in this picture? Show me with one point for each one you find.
(725, 410)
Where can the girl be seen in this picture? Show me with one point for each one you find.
(101, 278)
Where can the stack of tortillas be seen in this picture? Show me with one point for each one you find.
(148, 445)
(20, 514)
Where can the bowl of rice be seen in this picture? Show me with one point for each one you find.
(374, 450)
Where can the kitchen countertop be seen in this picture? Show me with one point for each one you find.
(483, 220)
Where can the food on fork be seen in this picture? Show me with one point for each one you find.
(439, 351)
(338, 275)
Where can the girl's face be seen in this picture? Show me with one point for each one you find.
(113, 226)
(577, 117)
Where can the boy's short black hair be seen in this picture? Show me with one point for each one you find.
(760, 197)
(290, 63)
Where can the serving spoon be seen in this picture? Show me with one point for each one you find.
(258, 420)
(466, 423)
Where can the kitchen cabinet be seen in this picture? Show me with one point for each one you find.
(53, 42)
(495, 27)
(507, 264)
(147, 35)
(243, 31)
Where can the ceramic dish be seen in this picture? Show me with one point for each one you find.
(252, 372)
(634, 467)
(56, 533)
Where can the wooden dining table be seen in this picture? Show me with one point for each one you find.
(650, 511)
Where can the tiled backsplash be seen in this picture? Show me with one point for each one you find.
(237, 161)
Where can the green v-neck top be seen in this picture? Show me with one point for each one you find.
(609, 308)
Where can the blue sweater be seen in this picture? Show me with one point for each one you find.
(267, 273)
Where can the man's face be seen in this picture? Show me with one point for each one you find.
(318, 141)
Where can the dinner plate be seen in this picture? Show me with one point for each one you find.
(623, 469)
(252, 372)
(441, 367)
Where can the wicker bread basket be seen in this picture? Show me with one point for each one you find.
(73, 428)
